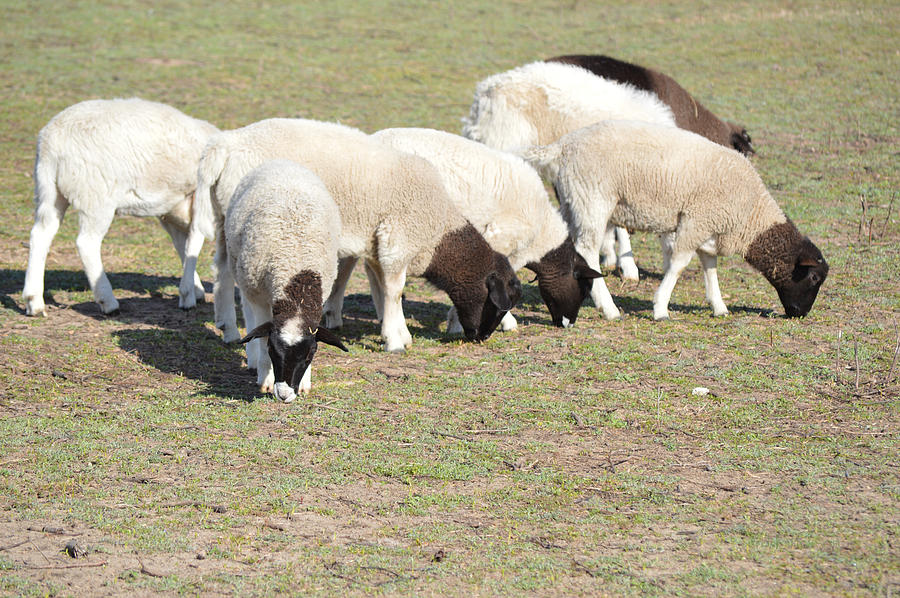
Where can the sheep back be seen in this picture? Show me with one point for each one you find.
(282, 222)
(658, 178)
(142, 155)
(499, 193)
(538, 103)
(689, 113)
(386, 198)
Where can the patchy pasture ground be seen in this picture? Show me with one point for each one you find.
(543, 462)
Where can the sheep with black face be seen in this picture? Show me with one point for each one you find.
(689, 113)
(504, 198)
(671, 181)
(282, 232)
(395, 214)
(537, 103)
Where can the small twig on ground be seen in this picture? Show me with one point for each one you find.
(489, 431)
(582, 567)
(49, 529)
(100, 564)
(36, 547)
(449, 435)
(150, 572)
(10, 546)
(890, 374)
(837, 358)
(856, 361)
(888, 217)
(195, 503)
(658, 398)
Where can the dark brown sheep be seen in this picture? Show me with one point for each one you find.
(689, 113)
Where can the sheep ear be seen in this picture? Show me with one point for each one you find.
(808, 262)
(497, 293)
(323, 335)
(582, 270)
(258, 332)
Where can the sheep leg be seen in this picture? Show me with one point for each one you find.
(223, 293)
(190, 290)
(47, 216)
(375, 290)
(508, 322)
(255, 346)
(599, 292)
(92, 229)
(453, 324)
(179, 240)
(666, 245)
(711, 280)
(679, 261)
(334, 305)
(265, 373)
(626, 256)
(393, 326)
(608, 249)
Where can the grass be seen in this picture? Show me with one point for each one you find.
(541, 462)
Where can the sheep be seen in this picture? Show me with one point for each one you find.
(108, 157)
(395, 214)
(537, 103)
(504, 198)
(282, 231)
(665, 180)
(689, 113)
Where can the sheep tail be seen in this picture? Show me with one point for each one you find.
(45, 191)
(544, 159)
(202, 213)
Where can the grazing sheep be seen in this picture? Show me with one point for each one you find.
(282, 232)
(666, 180)
(537, 103)
(395, 214)
(108, 157)
(689, 113)
(504, 198)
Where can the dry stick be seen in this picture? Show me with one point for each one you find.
(856, 361)
(888, 217)
(2, 548)
(837, 359)
(890, 374)
(100, 564)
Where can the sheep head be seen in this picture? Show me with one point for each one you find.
(564, 280)
(792, 264)
(480, 282)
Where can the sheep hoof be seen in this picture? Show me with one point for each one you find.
(109, 308)
(35, 309)
(665, 318)
(396, 350)
(187, 302)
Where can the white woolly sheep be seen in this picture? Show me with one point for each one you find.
(689, 113)
(395, 214)
(537, 103)
(504, 198)
(108, 157)
(282, 232)
(665, 180)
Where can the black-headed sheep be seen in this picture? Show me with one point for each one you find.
(395, 214)
(504, 198)
(537, 103)
(689, 113)
(665, 180)
(282, 232)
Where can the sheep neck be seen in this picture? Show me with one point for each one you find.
(774, 251)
